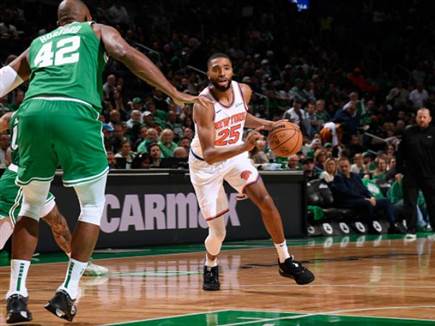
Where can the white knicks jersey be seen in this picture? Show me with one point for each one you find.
(229, 121)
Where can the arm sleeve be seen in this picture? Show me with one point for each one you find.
(9, 80)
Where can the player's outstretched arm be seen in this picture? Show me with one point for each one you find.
(14, 74)
(251, 120)
(139, 64)
(203, 115)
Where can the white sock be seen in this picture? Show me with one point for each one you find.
(73, 274)
(209, 262)
(17, 285)
(281, 249)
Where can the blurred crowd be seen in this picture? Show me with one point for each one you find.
(351, 75)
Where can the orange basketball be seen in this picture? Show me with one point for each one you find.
(285, 139)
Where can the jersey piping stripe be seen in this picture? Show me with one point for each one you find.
(19, 182)
(243, 99)
(60, 98)
(71, 183)
(196, 156)
(17, 203)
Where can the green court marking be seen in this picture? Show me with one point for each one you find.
(236, 317)
(191, 248)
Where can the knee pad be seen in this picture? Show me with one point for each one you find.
(92, 199)
(216, 236)
(34, 197)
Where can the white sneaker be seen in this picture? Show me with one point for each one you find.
(410, 237)
(95, 270)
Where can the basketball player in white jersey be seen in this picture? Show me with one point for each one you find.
(218, 153)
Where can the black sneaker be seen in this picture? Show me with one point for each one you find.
(211, 279)
(62, 306)
(293, 269)
(17, 311)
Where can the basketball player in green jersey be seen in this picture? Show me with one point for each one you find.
(10, 203)
(58, 125)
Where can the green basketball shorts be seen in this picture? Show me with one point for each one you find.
(60, 132)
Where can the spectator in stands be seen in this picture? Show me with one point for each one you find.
(4, 145)
(137, 104)
(155, 155)
(149, 121)
(309, 169)
(320, 159)
(114, 117)
(173, 124)
(381, 169)
(321, 113)
(124, 158)
(117, 14)
(348, 118)
(188, 133)
(257, 154)
(180, 152)
(141, 136)
(166, 143)
(111, 159)
(109, 87)
(135, 119)
(312, 123)
(141, 161)
(358, 167)
(398, 96)
(185, 142)
(355, 146)
(293, 163)
(299, 94)
(418, 96)
(17, 100)
(118, 104)
(297, 115)
(330, 170)
(118, 136)
(350, 192)
(151, 137)
(159, 112)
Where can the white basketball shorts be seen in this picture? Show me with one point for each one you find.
(207, 180)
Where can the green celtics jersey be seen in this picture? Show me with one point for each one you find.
(68, 62)
(13, 125)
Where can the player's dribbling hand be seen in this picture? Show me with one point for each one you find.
(252, 138)
(272, 124)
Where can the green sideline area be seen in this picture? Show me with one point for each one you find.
(177, 249)
(236, 317)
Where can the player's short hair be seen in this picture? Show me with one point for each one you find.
(217, 55)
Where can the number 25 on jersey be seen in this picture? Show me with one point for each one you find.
(228, 136)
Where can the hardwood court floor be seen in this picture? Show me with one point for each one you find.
(360, 277)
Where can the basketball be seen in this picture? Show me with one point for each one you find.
(285, 139)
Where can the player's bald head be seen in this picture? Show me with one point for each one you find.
(72, 10)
